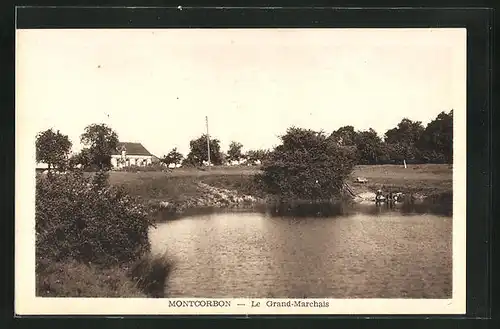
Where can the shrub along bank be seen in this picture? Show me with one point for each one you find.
(92, 240)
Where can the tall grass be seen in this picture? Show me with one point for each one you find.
(145, 277)
(150, 274)
(71, 278)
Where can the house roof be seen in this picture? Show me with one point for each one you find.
(132, 149)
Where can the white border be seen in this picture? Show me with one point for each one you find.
(27, 304)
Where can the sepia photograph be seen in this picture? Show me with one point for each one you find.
(264, 171)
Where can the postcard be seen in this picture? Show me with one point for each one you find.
(240, 171)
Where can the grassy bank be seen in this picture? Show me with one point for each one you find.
(145, 277)
(186, 188)
(77, 279)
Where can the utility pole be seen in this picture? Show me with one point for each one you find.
(208, 142)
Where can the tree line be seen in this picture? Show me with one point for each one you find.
(198, 154)
(409, 141)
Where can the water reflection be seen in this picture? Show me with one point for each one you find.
(322, 209)
(363, 251)
(327, 209)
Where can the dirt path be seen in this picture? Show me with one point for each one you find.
(361, 192)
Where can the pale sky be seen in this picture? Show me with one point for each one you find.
(157, 86)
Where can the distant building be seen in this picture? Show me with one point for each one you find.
(131, 154)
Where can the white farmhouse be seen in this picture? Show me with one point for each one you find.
(131, 154)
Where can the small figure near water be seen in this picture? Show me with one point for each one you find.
(379, 197)
(389, 197)
(398, 197)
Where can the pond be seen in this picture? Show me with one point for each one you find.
(357, 252)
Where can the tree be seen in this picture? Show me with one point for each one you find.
(436, 141)
(52, 148)
(344, 136)
(81, 158)
(198, 151)
(404, 139)
(173, 156)
(254, 155)
(407, 131)
(306, 166)
(102, 142)
(370, 149)
(234, 152)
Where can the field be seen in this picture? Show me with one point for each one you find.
(180, 184)
(118, 177)
(424, 179)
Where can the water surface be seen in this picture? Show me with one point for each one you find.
(368, 252)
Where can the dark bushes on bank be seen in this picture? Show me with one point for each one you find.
(92, 240)
(85, 219)
(306, 166)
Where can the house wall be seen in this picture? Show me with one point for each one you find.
(131, 160)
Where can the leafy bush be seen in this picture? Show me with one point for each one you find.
(87, 220)
(306, 166)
